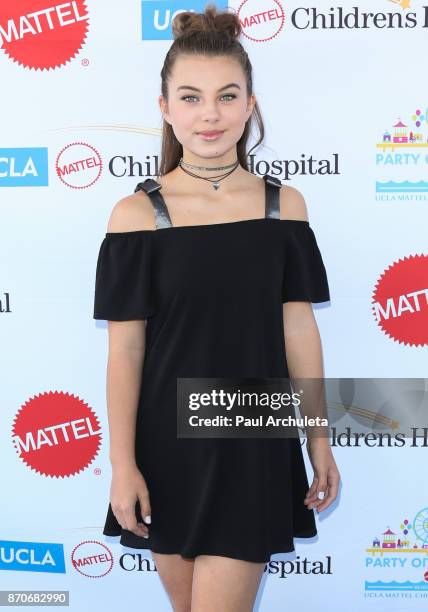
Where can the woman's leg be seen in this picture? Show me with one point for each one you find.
(176, 575)
(222, 583)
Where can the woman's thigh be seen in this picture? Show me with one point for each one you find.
(176, 575)
(222, 583)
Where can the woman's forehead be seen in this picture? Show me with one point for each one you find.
(206, 69)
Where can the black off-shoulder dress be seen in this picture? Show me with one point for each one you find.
(212, 297)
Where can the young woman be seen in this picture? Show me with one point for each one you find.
(209, 271)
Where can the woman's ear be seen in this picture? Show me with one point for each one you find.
(163, 107)
(251, 104)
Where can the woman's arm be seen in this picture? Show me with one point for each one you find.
(304, 360)
(124, 366)
(302, 341)
(126, 352)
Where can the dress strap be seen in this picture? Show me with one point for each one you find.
(152, 187)
(272, 201)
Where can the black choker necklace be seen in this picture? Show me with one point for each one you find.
(215, 183)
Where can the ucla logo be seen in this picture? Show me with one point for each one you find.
(157, 16)
(32, 556)
(24, 167)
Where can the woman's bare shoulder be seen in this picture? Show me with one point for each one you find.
(292, 203)
(132, 213)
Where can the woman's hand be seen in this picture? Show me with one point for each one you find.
(326, 475)
(128, 486)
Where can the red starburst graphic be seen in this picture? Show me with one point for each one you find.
(43, 34)
(56, 434)
(400, 300)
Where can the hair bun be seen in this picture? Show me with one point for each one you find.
(188, 22)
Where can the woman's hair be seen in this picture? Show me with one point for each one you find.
(213, 34)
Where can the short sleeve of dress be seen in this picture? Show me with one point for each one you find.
(123, 290)
(305, 277)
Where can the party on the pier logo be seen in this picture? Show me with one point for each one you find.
(397, 559)
(402, 159)
(43, 34)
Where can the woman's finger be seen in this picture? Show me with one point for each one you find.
(332, 491)
(143, 498)
(119, 517)
(131, 520)
(311, 494)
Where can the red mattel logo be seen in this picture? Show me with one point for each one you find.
(261, 24)
(78, 165)
(42, 34)
(56, 434)
(400, 300)
(92, 559)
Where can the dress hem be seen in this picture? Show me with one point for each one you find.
(129, 542)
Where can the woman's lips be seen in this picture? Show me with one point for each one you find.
(210, 135)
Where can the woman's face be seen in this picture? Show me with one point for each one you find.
(207, 94)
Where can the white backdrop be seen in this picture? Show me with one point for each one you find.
(82, 94)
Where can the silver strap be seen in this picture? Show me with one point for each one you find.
(151, 187)
(272, 188)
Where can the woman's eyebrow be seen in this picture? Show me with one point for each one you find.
(199, 90)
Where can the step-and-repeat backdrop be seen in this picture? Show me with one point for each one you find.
(343, 93)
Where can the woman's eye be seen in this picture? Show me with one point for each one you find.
(232, 96)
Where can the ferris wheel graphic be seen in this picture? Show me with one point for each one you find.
(420, 525)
